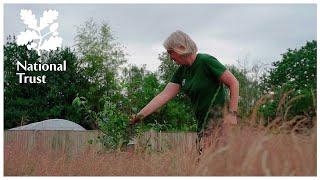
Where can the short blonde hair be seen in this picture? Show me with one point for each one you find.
(181, 43)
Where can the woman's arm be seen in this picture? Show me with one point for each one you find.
(170, 91)
(228, 79)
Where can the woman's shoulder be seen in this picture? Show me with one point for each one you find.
(206, 57)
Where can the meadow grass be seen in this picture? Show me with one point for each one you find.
(247, 151)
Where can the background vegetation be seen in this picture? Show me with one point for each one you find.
(100, 90)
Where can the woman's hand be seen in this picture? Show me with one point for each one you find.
(230, 118)
(135, 118)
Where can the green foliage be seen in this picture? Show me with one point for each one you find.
(140, 87)
(296, 69)
(112, 122)
(167, 67)
(177, 116)
(100, 57)
(293, 80)
(93, 94)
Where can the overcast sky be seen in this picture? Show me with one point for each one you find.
(260, 32)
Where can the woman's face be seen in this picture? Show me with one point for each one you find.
(179, 59)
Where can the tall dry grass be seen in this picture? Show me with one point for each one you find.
(248, 151)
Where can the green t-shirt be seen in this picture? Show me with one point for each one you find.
(200, 82)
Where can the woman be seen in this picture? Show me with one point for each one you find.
(202, 78)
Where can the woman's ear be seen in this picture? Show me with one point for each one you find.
(180, 49)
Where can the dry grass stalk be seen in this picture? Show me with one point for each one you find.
(288, 105)
(282, 102)
(264, 163)
(257, 105)
(248, 151)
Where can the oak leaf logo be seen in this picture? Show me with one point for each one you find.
(33, 37)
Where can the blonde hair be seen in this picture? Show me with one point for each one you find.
(181, 43)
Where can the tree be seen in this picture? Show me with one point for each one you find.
(167, 67)
(99, 60)
(293, 81)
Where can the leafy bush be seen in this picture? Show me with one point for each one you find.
(112, 122)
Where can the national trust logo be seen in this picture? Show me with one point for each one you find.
(39, 35)
(43, 36)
